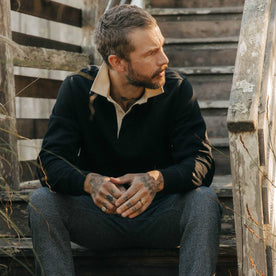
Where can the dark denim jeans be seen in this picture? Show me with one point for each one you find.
(191, 220)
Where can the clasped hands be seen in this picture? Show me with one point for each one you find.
(110, 194)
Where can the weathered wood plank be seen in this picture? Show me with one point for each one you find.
(49, 10)
(267, 141)
(204, 70)
(199, 26)
(39, 27)
(36, 87)
(211, 87)
(35, 41)
(9, 174)
(33, 108)
(196, 55)
(133, 261)
(196, 11)
(50, 59)
(91, 12)
(195, 3)
(247, 202)
(28, 171)
(199, 40)
(249, 191)
(245, 92)
(32, 128)
(28, 149)
(51, 74)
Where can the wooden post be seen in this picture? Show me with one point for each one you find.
(9, 169)
(246, 143)
(91, 12)
(267, 135)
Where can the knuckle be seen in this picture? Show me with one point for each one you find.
(97, 200)
(101, 192)
(104, 184)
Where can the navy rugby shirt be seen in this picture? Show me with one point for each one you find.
(162, 131)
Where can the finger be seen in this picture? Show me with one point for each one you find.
(140, 207)
(103, 199)
(135, 210)
(129, 208)
(138, 212)
(109, 192)
(125, 197)
(121, 188)
(106, 204)
(145, 204)
(131, 205)
(115, 191)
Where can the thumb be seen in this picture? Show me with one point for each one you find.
(121, 180)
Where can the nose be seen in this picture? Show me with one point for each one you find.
(162, 59)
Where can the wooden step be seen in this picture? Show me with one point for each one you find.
(196, 11)
(210, 83)
(199, 23)
(194, 3)
(204, 70)
(17, 257)
(185, 55)
(204, 40)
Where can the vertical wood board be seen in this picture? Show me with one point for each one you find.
(9, 170)
(247, 203)
(243, 111)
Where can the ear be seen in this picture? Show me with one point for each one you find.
(117, 63)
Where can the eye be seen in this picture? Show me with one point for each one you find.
(153, 52)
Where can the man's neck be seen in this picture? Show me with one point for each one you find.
(123, 92)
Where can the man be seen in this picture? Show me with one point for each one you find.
(126, 161)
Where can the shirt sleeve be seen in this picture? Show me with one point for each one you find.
(193, 163)
(58, 159)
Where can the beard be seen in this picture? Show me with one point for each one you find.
(140, 80)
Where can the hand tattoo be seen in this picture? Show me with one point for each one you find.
(152, 184)
(96, 181)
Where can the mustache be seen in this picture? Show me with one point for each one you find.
(157, 72)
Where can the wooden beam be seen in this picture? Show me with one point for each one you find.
(9, 174)
(244, 137)
(244, 100)
(50, 59)
(48, 10)
(91, 12)
(248, 205)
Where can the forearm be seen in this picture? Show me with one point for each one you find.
(188, 174)
(60, 176)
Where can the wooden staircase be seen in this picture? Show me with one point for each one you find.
(201, 42)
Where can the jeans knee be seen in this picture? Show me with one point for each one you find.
(205, 197)
(201, 205)
(39, 198)
(39, 205)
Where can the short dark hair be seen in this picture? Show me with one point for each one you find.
(111, 33)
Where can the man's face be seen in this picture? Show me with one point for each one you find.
(148, 62)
